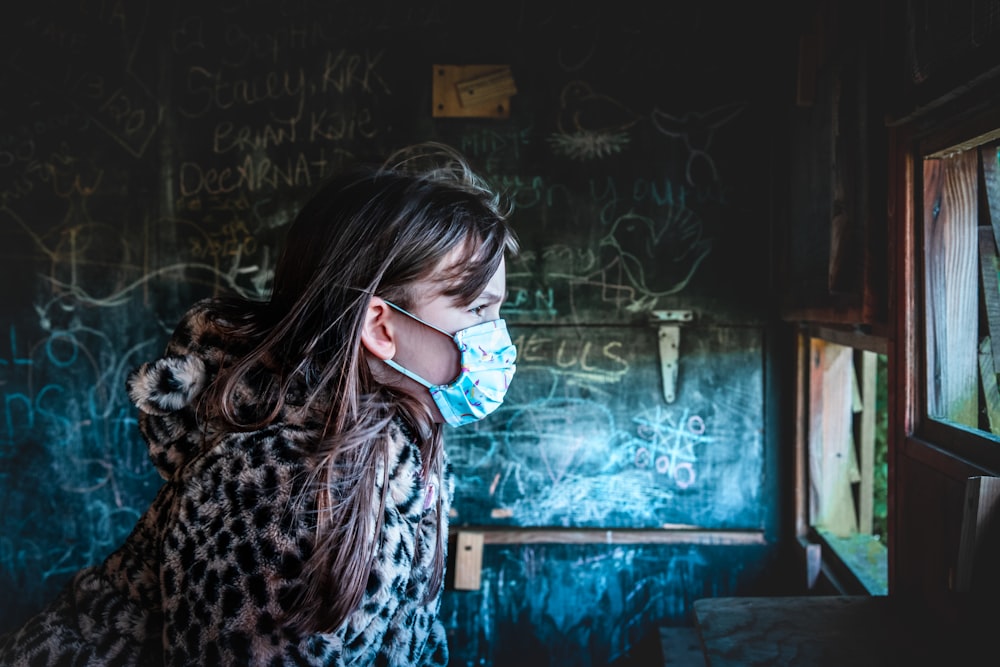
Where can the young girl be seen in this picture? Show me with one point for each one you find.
(303, 520)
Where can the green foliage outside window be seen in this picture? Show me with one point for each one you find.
(881, 481)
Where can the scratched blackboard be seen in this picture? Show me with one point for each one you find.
(153, 153)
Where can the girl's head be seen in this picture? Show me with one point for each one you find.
(418, 230)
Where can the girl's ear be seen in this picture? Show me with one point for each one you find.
(376, 331)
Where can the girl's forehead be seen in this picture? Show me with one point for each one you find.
(451, 272)
(450, 269)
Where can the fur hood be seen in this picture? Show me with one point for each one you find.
(176, 427)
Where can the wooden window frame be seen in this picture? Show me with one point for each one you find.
(938, 133)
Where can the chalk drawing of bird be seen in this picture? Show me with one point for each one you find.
(590, 125)
(696, 130)
(658, 256)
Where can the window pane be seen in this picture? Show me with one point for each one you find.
(960, 274)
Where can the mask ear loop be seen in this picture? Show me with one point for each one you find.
(411, 315)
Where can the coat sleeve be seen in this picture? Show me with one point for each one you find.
(232, 556)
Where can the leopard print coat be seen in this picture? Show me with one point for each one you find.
(217, 558)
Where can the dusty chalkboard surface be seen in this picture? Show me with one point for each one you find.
(153, 153)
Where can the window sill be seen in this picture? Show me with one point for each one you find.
(859, 561)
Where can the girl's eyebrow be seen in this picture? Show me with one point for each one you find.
(493, 297)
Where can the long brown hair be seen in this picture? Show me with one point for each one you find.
(370, 230)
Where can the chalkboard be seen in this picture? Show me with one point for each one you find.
(586, 438)
(153, 153)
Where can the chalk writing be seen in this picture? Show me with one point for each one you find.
(493, 146)
(233, 240)
(252, 174)
(207, 90)
(13, 358)
(598, 362)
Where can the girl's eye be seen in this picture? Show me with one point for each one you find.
(478, 310)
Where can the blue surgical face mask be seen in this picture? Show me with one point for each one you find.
(488, 357)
